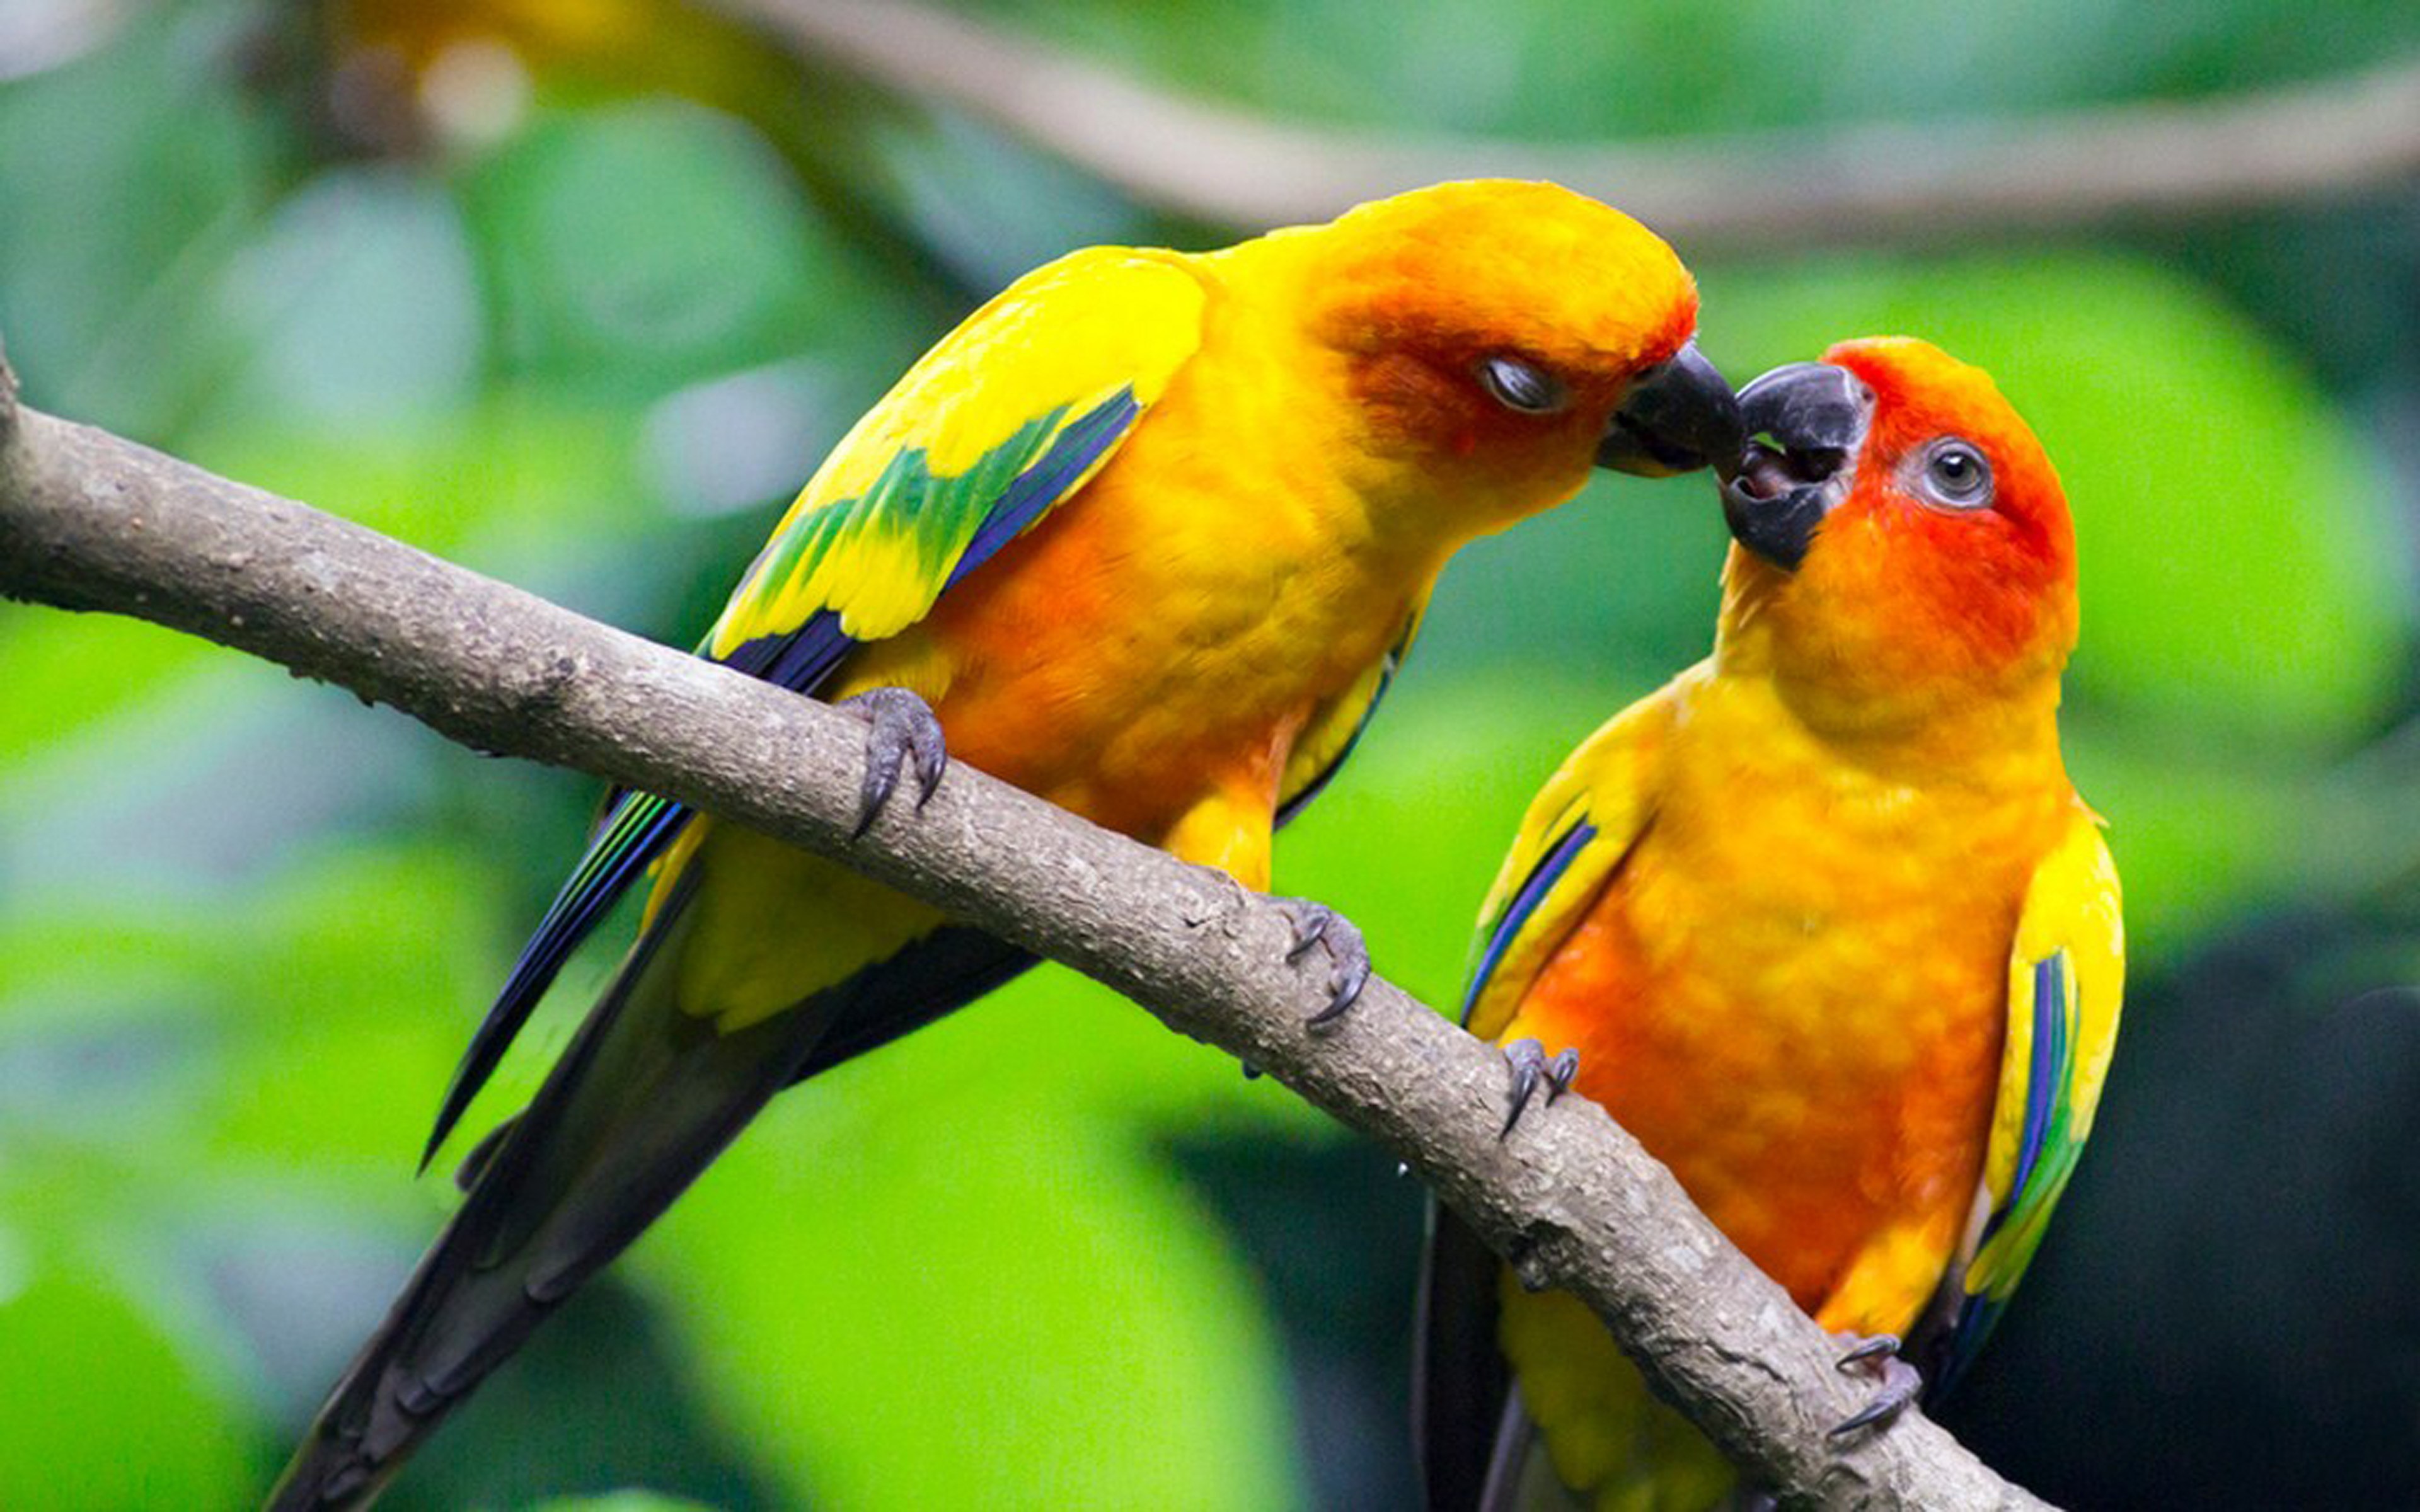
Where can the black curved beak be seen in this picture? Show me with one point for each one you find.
(1679, 416)
(1805, 421)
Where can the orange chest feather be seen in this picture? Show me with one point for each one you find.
(1793, 993)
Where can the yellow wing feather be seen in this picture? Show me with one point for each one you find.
(1607, 786)
(1040, 357)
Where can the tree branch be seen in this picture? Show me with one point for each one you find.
(1874, 185)
(89, 521)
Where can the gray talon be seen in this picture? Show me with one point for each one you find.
(1316, 924)
(905, 734)
(1530, 1066)
(1901, 1382)
(1560, 1072)
(1309, 928)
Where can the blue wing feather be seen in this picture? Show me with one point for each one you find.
(1025, 500)
(634, 833)
(2048, 1071)
(1540, 882)
(2048, 1075)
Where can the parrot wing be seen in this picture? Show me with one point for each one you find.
(2065, 977)
(1007, 417)
(1579, 827)
(1473, 1433)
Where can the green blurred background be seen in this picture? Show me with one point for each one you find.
(576, 293)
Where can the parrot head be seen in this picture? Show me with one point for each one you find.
(1902, 537)
(1504, 336)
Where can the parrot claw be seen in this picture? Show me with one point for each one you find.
(905, 730)
(1316, 924)
(1530, 1066)
(1878, 1355)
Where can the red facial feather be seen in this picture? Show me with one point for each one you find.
(1428, 395)
(1962, 592)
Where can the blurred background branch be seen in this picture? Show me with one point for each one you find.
(1853, 186)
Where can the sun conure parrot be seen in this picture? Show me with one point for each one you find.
(1147, 534)
(1822, 923)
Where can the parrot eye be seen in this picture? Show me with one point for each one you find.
(1956, 476)
(1522, 386)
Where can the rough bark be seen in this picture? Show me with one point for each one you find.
(89, 522)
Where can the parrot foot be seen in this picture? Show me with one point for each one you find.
(1877, 1354)
(904, 729)
(1530, 1066)
(1348, 954)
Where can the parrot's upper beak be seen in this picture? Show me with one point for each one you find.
(1679, 416)
(1806, 420)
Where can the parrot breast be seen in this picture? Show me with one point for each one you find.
(1794, 993)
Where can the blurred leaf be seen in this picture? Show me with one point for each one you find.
(539, 469)
(637, 246)
(1010, 1305)
(100, 1413)
(41, 34)
(2193, 838)
(618, 1502)
(68, 672)
(185, 1026)
(128, 175)
(993, 207)
(354, 304)
(372, 962)
(168, 796)
(1616, 589)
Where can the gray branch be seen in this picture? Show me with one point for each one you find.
(1875, 185)
(89, 521)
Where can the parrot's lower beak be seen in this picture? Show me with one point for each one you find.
(1679, 416)
(1805, 422)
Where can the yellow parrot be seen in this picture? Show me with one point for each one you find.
(1146, 536)
(1822, 923)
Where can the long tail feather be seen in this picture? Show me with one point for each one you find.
(1460, 1383)
(642, 1101)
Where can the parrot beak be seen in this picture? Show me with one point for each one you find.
(1806, 420)
(1679, 416)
